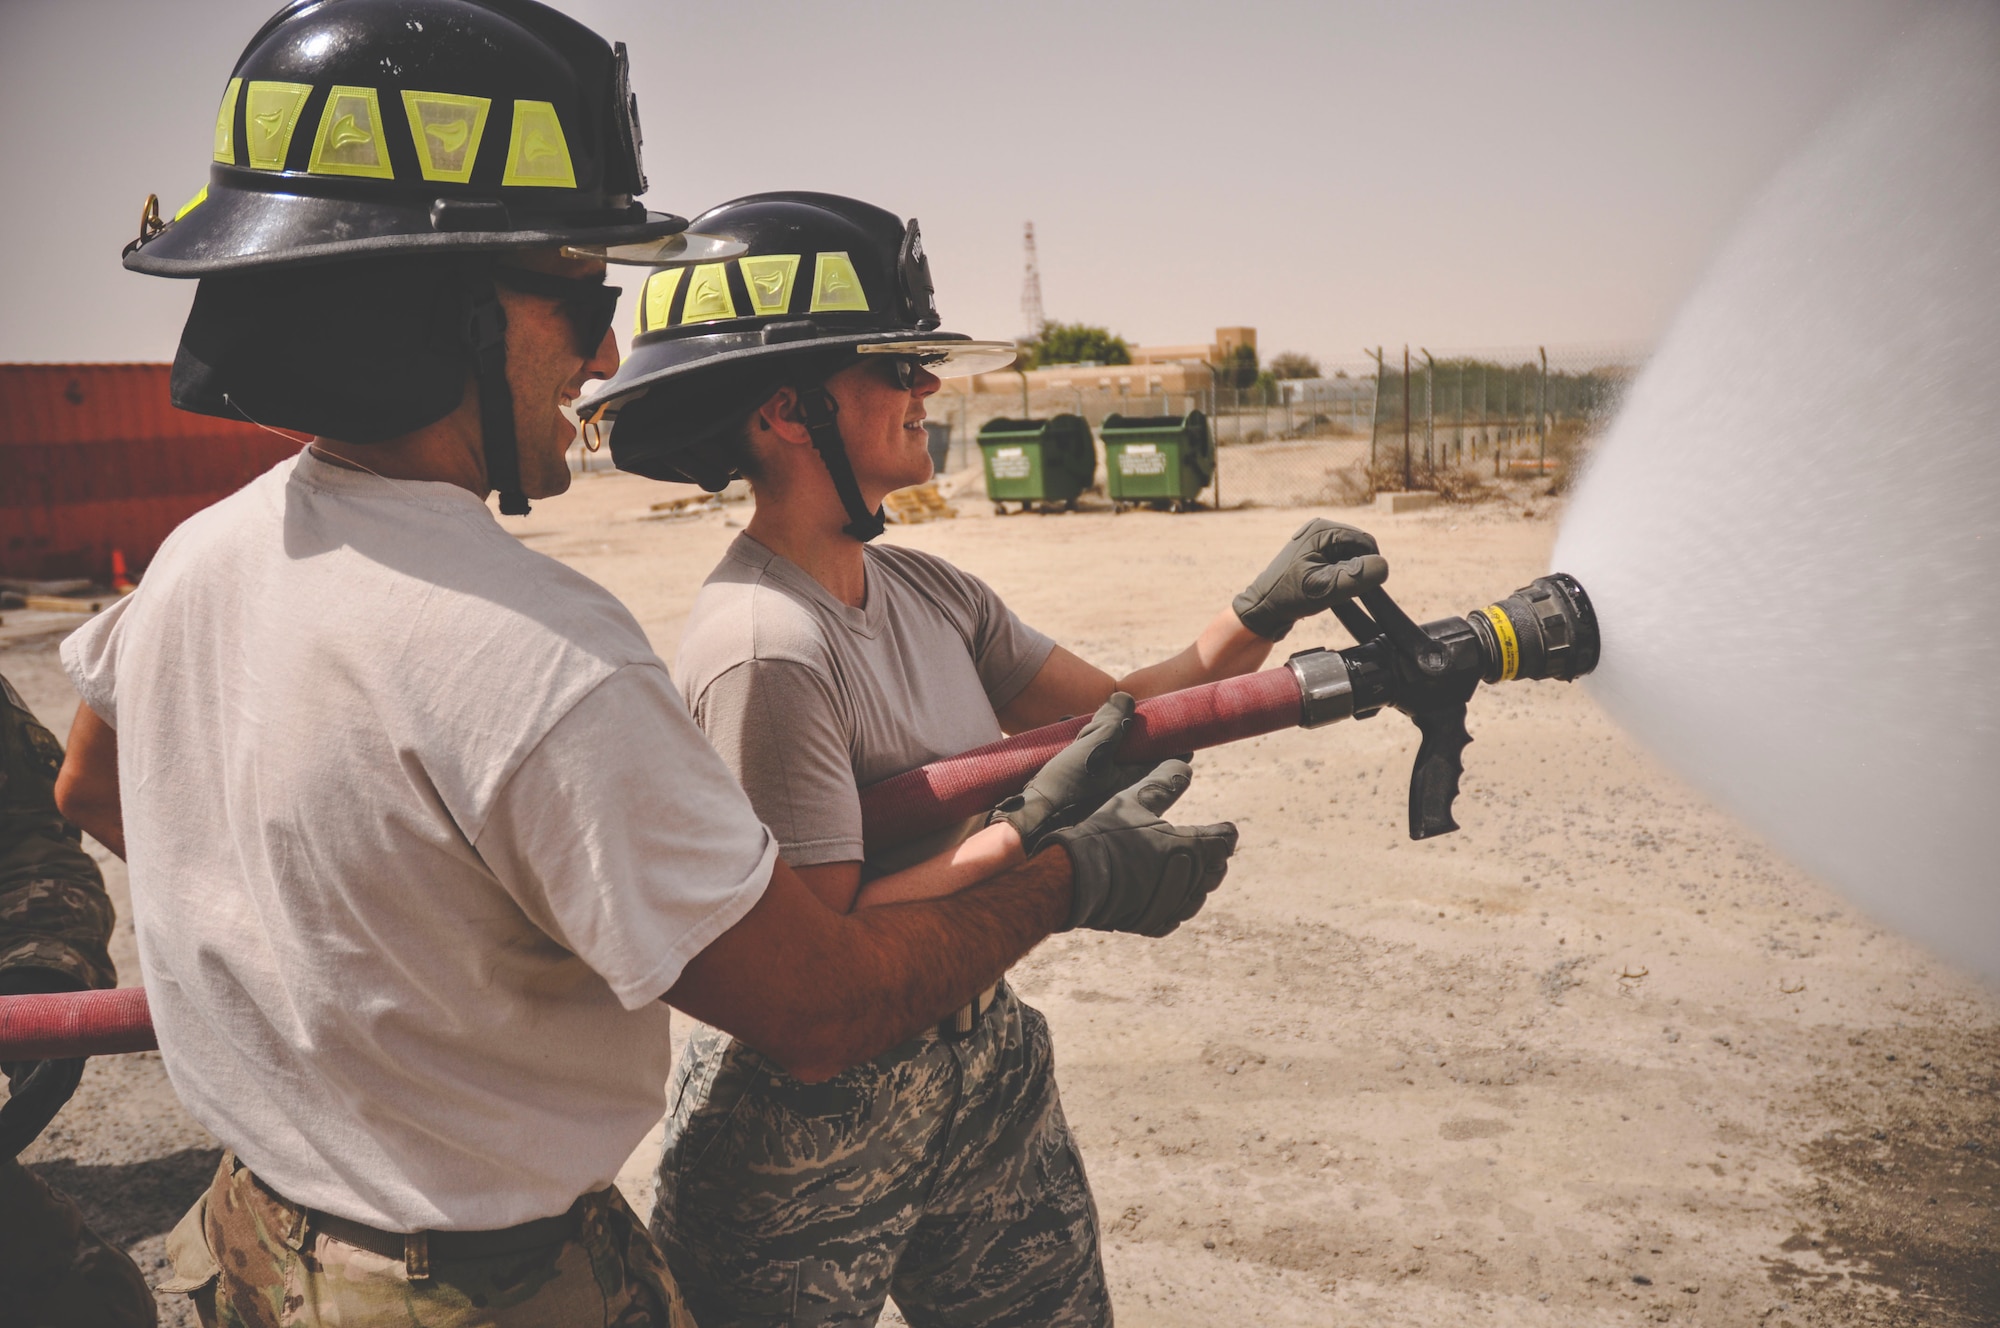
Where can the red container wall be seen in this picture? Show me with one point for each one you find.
(94, 458)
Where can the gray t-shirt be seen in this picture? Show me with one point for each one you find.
(809, 700)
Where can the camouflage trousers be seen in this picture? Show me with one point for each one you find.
(942, 1173)
(247, 1260)
(54, 1271)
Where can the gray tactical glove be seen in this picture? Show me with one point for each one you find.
(1323, 562)
(1131, 871)
(1076, 781)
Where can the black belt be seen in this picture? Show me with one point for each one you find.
(418, 1250)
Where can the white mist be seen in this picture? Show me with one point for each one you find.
(1792, 531)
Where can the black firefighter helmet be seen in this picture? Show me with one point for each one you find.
(820, 281)
(371, 160)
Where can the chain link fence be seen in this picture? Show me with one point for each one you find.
(1453, 421)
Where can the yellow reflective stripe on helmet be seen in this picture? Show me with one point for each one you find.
(708, 295)
(200, 197)
(769, 278)
(836, 286)
(270, 113)
(537, 152)
(657, 299)
(350, 138)
(446, 128)
(225, 124)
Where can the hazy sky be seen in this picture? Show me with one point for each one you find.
(1335, 174)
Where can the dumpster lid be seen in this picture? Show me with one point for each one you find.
(1153, 423)
(1066, 427)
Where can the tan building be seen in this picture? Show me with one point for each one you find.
(1227, 340)
(1175, 369)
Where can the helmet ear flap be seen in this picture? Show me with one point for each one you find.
(691, 433)
(362, 351)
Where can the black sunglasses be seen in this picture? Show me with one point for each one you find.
(902, 369)
(586, 302)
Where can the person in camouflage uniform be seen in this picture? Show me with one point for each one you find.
(55, 927)
(942, 1172)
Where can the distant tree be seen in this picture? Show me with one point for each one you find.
(1239, 368)
(1291, 364)
(1075, 343)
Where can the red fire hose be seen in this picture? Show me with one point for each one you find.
(945, 792)
(916, 802)
(79, 1023)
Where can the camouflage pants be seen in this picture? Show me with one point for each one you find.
(236, 1256)
(54, 1271)
(942, 1173)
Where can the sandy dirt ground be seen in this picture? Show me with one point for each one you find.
(1598, 1058)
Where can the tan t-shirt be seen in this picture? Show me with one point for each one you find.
(809, 700)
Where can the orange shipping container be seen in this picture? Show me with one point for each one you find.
(94, 458)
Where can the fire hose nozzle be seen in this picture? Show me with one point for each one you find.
(1546, 629)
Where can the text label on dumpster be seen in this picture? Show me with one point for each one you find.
(1010, 464)
(1142, 459)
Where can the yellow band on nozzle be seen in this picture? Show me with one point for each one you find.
(1510, 645)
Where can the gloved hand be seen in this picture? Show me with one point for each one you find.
(1077, 779)
(1322, 562)
(1131, 871)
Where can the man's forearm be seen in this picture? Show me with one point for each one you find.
(818, 991)
(914, 963)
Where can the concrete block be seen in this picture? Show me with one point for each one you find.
(1415, 501)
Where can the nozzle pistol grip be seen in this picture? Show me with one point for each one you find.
(1434, 780)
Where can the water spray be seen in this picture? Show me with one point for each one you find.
(1546, 629)
(1817, 428)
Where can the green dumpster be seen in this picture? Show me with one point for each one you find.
(1037, 461)
(1163, 461)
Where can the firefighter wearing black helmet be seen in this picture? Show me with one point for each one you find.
(941, 1172)
(824, 283)
(422, 839)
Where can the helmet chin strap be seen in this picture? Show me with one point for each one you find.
(486, 334)
(823, 426)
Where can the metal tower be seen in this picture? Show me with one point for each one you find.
(1031, 289)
